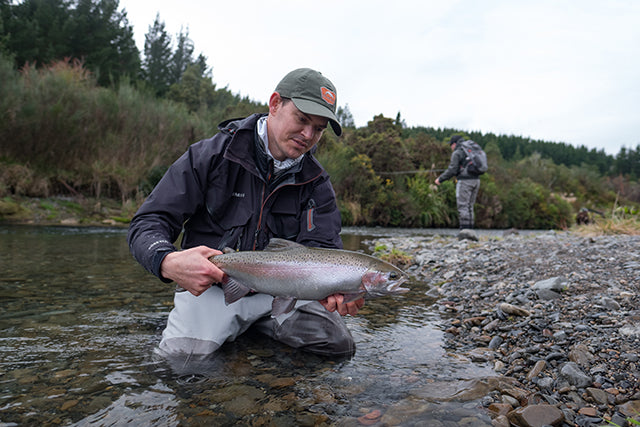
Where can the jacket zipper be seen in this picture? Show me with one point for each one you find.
(264, 202)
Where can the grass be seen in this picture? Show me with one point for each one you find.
(629, 420)
(56, 210)
(395, 256)
(609, 226)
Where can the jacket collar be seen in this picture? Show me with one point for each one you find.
(246, 149)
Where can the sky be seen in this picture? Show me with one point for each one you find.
(554, 70)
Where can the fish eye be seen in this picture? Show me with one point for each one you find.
(393, 275)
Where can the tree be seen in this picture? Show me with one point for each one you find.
(193, 89)
(182, 56)
(36, 31)
(94, 32)
(345, 118)
(4, 16)
(157, 57)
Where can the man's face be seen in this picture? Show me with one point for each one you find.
(292, 132)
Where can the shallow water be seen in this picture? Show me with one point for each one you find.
(79, 320)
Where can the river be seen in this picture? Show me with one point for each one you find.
(79, 320)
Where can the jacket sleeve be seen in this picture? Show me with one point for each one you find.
(321, 224)
(158, 222)
(454, 165)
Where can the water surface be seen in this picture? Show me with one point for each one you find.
(79, 320)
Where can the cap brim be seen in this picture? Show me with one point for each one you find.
(312, 107)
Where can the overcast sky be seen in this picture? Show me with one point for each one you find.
(554, 70)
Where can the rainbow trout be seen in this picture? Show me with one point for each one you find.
(290, 271)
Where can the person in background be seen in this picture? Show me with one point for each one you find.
(467, 186)
(254, 180)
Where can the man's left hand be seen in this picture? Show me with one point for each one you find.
(336, 302)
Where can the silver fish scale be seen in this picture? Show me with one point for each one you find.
(301, 272)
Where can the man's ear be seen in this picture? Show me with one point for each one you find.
(275, 101)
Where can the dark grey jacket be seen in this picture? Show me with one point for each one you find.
(222, 193)
(457, 166)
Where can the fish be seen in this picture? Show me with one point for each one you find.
(290, 271)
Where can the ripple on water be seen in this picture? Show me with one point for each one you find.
(78, 329)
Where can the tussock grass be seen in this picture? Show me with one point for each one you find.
(610, 226)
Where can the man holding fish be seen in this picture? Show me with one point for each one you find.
(256, 180)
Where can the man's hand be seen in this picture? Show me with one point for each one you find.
(336, 302)
(192, 269)
(437, 181)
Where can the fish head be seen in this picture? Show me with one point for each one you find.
(385, 280)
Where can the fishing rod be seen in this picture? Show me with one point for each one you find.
(411, 172)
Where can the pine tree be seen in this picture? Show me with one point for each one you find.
(157, 57)
(182, 56)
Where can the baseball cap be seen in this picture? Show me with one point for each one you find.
(311, 93)
(454, 139)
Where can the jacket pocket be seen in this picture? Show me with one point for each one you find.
(284, 220)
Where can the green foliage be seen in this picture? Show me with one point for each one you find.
(157, 57)
(91, 139)
(67, 129)
(432, 208)
(64, 134)
(529, 205)
(94, 31)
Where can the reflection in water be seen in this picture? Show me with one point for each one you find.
(80, 319)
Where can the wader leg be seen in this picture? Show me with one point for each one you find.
(466, 193)
(198, 326)
(311, 328)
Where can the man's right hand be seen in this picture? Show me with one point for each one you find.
(191, 269)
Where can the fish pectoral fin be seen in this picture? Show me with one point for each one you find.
(352, 297)
(282, 305)
(277, 244)
(233, 291)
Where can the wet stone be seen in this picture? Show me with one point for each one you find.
(536, 415)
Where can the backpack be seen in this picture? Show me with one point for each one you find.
(476, 161)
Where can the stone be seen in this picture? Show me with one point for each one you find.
(536, 416)
(574, 375)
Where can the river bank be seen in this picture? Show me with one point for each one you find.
(555, 314)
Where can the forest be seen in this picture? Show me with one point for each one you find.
(85, 114)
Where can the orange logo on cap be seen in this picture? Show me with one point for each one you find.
(328, 95)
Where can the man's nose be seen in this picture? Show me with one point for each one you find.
(308, 131)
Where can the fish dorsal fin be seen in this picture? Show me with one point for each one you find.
(277, 244)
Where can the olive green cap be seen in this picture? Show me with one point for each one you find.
(311, 93)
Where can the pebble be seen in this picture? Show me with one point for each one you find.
(557, 314)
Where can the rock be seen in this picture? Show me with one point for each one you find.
(609, 304)
(512, 309)
(536, 416)
(581, 355)
(537, 368)
(630, 409)
(574, 375)
(467, 234)
(631, 330)
(599, 396)
(500, 408)
(553, 284)
(500, 421)
(547, 294)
